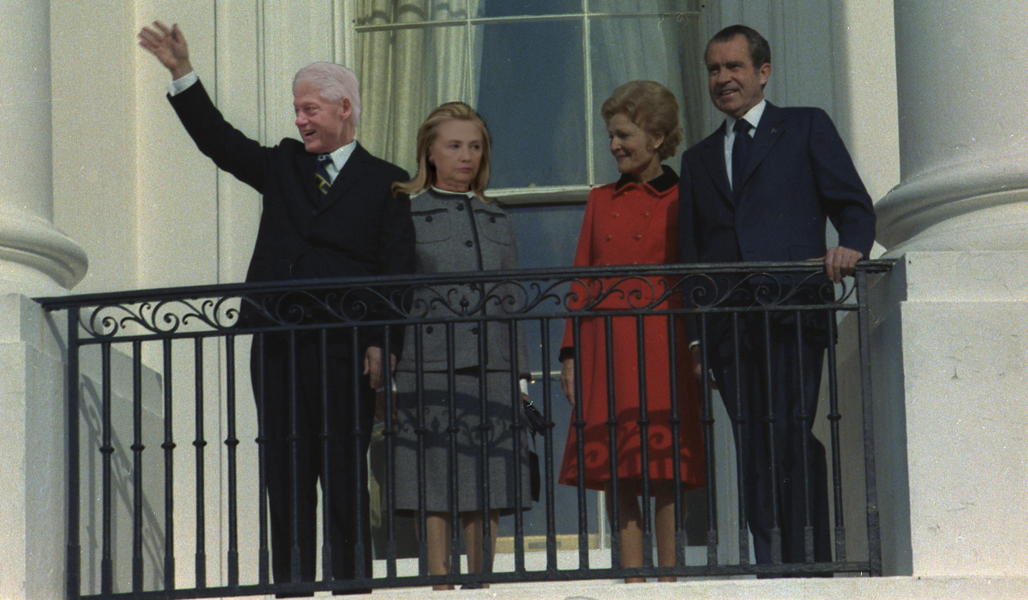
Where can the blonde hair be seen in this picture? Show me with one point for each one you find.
(652, 107)
(427, 134)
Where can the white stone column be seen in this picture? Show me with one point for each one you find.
(35, 258)
(951, 320)
(963, 118)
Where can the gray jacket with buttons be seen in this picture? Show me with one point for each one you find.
(455, 233)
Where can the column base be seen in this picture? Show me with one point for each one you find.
(970, 206)
(35, 258)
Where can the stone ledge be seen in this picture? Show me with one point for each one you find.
(840, 588)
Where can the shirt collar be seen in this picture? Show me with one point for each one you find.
(342, 154)
(752, 116)
(468, 194)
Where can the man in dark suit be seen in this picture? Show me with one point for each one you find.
(328, 212)
(759, 189)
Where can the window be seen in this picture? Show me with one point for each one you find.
(538, 72)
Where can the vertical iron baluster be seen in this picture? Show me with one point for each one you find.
(326, 459)
(874, 541)
(106, 451)
(803, 418)
(707, 417)
(73, 576)
(419, 393)
(263, 559)
(169, 473)
(545, 457)
(644, 444)
(612, 455)
(451, 466)
(776, 530)
(137, 468)
(483, 445)
(517, 426)
(833, 419)
(742, 422)
(294, 456)
(231, 445)
(388, 490)
(199, 443)
(676, 443)
(361, 549)
(579, 423)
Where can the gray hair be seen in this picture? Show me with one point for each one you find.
(334, 82)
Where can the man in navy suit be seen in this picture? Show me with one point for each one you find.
(759, 189)
(328, 212)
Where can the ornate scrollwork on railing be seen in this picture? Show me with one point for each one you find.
(163, 317)
(396, 300)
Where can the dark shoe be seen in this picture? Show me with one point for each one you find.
(352, 592)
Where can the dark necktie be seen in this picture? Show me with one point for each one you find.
(740, 152)
(321, 178)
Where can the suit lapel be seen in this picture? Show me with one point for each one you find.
(769, 131)
(712, 154)
(306, 164)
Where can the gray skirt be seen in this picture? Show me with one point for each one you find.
(427, 444)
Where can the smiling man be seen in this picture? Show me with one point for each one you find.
(328, 212)
(760, 189)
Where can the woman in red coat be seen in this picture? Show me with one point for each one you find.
(633, 222)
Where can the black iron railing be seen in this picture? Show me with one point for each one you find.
(169, 443)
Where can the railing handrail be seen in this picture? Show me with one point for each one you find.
(51, 303)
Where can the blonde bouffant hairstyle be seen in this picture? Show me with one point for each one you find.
(427, 134)
(652, 107)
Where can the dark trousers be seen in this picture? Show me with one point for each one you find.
(769, 384)
(316, 425)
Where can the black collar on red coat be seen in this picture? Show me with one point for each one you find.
(661, 183)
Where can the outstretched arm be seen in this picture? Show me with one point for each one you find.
(169, 46)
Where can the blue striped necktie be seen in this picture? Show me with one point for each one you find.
(321, 177)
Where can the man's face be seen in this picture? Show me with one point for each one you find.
(324, 126)
(735, 84)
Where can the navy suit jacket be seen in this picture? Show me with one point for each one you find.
(359, 229)
(798, 173)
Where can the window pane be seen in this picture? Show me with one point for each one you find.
(640, 6)
(509, 8)
(532, 95)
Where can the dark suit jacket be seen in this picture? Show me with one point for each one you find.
(359, 229)
(797, 174)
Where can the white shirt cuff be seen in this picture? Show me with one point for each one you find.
(182, 83)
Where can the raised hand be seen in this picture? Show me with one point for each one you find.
(168, 45)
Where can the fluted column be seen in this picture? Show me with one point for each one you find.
(35, 258)
(963, 118)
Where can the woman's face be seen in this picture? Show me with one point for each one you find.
(456, 153)
(634, 149)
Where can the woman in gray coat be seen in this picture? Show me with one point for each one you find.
(439, 418)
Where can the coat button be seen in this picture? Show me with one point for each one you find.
(469, 243)
(646, 214)
(460, 207)
(428, 219)
(428, 329)
(474, 330)
(492, 219)
(609, 237)
(638, 236)
(615, 215)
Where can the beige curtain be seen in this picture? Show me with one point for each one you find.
(396, 96)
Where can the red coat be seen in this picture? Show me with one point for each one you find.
(631, 223)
